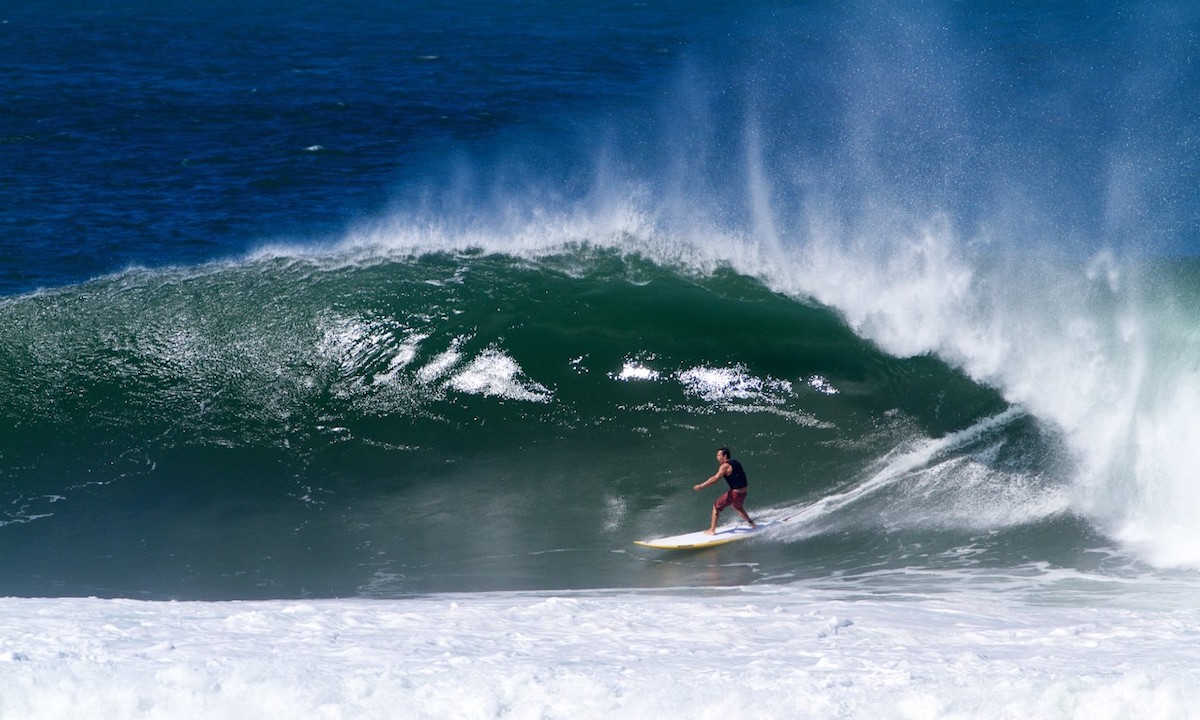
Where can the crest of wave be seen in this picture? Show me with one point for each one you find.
(1101, 348)
(626, 222)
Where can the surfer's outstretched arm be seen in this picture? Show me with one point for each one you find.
(721, 472)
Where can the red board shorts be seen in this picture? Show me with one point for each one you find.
(734, 497)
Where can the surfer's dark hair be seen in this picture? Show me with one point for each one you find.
(724, 451)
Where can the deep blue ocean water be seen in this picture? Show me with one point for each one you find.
(382, 298)
(150, 133)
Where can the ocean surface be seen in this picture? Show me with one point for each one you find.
(346, 348)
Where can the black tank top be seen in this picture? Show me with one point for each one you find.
(736, 478)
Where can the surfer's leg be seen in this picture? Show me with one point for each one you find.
(739, 498)
(718, 506)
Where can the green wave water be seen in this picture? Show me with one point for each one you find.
(291, 426)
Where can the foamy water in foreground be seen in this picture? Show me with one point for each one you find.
(782, 652)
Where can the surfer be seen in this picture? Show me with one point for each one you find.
(733, 473)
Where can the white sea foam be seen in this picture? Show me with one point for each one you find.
(716, 384)
(791, 652)
(632, 370)
(822, 385)
(439, 365)
(493, 373)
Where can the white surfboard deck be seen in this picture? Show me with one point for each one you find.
(698, 539)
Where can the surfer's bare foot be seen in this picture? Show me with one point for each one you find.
(710, 532)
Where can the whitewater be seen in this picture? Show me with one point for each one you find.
(943, 650)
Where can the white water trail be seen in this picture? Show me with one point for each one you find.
(924, 468)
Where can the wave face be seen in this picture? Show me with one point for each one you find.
(350, 424)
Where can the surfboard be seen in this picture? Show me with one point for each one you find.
(694, 540)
